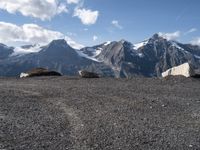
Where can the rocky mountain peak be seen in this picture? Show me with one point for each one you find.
(118, 58)
(59, 43)
(125, 44)
(157, 37)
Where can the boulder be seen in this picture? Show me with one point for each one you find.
(23, 75)
(181, 70)
(86, 74)
(39, 72)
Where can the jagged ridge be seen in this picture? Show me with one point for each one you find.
(118, 58)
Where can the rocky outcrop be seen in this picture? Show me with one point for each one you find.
(181, 70)
(86, 74)
(39, 72)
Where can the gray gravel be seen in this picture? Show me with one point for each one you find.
(59, 113)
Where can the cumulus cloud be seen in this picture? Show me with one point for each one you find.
(73, 1)
(116, 24)
(95, 38)
(170, 36)
(42, 9)
(31, 34)
(26, 33)
(87, 16)
(196, 41)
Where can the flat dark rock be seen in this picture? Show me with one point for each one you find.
(59, 113)
(42, 72)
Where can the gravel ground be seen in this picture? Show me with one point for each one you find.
(59, 113)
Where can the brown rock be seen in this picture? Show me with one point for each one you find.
(86, 74)
(39, 72)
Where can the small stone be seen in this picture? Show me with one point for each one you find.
(190, 145)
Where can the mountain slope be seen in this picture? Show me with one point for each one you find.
(5, 51)
(118, 58)
(148, 58)
(57, 55)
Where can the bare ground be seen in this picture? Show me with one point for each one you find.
(59, 113)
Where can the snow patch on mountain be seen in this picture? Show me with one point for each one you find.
(141, 44)
(81, 54)
(97, 51)
(198, 57)
(140, 55)
(174, 44)
(92, 52)
(107, 43)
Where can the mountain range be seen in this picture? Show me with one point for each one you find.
(115, 59)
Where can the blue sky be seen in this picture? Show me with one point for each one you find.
(133, 20)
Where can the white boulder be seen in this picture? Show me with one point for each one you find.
(24, 75)
(183, 70)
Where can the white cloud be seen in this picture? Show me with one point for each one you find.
(116, 24)
(170, 36)
(95, 38)
(26, 33)
(190, 31)
(73, 1)
(196, 41)
(31, 34)
(42, 9)
(87, 16)
(22, 50)
(61, 8)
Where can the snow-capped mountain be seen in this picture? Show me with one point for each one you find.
(148, 58)
(57, 55)
(117, 58)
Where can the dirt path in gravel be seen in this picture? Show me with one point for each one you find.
(82, 114)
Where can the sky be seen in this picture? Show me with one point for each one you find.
(91, 22)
